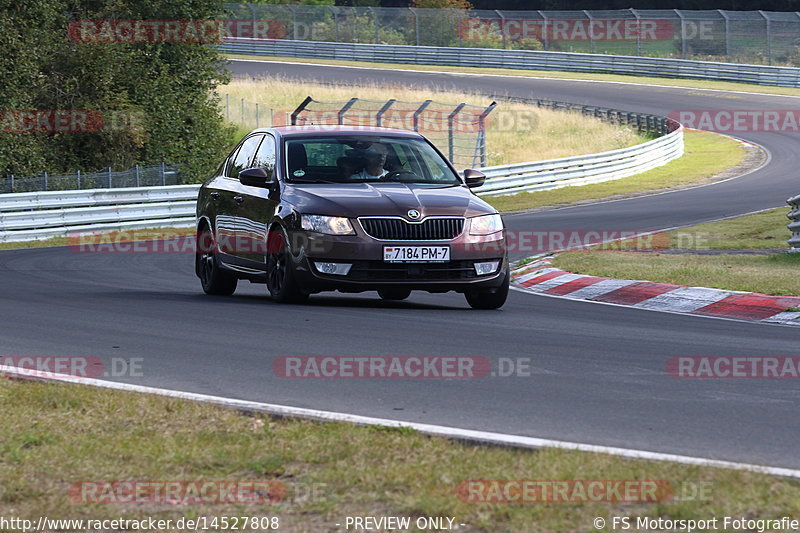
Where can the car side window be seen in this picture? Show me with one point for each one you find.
(243, 157)
(265, 157)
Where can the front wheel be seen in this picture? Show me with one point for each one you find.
(214, 279)
(281, 282)
(489, 299)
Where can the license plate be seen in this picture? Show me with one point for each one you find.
(416, 254)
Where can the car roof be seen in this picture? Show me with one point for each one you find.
(336, 130)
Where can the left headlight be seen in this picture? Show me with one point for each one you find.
(328, 225)
(485, 225)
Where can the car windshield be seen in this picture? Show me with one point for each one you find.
(365, 159)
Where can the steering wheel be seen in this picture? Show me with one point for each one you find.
(394, 173)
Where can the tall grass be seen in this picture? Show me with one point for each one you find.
(515, 132)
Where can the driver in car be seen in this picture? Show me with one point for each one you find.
(375, 159)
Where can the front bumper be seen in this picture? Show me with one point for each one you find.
(370, 272)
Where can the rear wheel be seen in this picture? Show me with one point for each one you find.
(489, 299)
(394, 293)
(281, 282)
(214, 279)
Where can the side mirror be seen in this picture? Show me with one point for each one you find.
(474, 178)
(254, 177)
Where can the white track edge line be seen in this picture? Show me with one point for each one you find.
(428, 429)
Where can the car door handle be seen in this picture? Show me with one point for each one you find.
(214, 196)
(238, 199)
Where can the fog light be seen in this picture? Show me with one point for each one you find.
(487, 267)
(339, 269)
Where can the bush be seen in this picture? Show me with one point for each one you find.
(154, 97)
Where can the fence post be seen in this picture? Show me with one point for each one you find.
(450, 119)
(419, 110)
(591, 33)
(45, 180)
(136, 171)
(546, 43)
(12, 182)
(638, 32)
(300, 109)
(343, 110)
(382, 110)
(336, 22)
(769, 36)
(683, 32)
(109, 177)
(482, 132)
(78, 172)
(727, 34)
(163, 174)
(374, 24)
(502, 27)
(416, 25)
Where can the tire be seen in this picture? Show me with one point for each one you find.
(398, 293)
(214, 279)
(489, 299)
(281, 283)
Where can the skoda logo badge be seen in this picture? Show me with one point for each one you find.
(413, 214)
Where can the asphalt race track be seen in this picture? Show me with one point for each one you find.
(598, 371)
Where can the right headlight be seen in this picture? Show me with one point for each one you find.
(327, 225)
(485, 225)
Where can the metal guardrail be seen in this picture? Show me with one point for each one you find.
(517, 59)
(794, 225)
(41, 215)
(581, 170)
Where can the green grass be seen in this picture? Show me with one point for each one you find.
(111, 236)
(706, 155)
(52, 436)
(774, 274)
(643, 80)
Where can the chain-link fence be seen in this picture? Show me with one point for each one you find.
(458, 130)
(759, 37)
(137, 176)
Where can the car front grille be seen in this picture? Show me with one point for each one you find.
(397, 229)
(380, 271)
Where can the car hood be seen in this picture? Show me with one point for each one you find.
(385, 199)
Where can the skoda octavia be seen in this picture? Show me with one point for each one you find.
(307, 209)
